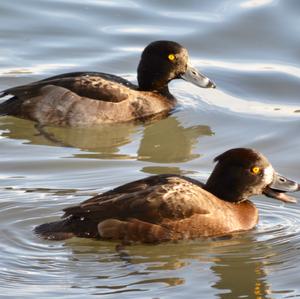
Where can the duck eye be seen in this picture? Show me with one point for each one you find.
(255, 170)
(171, 57)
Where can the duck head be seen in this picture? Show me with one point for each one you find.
(242, 172)
(163, 61)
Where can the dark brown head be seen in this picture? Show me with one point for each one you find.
(163, 61)
(243, 172)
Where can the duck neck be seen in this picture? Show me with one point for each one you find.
(153, 85)
(225, 188)
(150, 80)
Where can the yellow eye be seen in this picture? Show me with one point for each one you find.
(255, 170)
(171, 57)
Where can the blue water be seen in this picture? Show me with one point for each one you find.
(249, 48)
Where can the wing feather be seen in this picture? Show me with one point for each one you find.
(97, 86)
(153, 199)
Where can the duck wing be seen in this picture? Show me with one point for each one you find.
(155, 209)
(93, 85)
(153, 199)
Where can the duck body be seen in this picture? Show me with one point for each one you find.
(172, 207)
(158, 208)
(90, 98)
(86, 98)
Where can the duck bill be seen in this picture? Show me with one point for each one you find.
(279, 186)
(192, 75)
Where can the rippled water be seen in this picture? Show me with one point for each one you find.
(250, 48)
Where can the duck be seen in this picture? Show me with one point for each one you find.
(91, 98)
(170, 207)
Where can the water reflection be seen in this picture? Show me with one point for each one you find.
(236, 255)
(250, 276)
(167, 264)
(167, 141)
(106, 141)
(165, 169)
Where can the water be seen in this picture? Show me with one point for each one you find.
(248, 47)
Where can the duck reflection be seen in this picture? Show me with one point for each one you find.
(231, 267)
(167, 141)
(104, 140)
(164, 141)
(241, 273)
(238, 269)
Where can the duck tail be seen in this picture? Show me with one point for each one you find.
(58, 230)
(10, 106)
